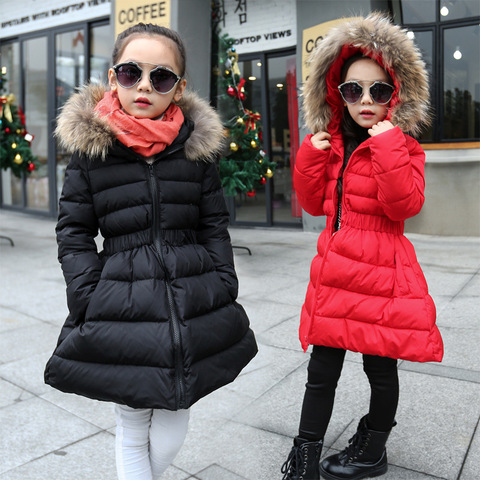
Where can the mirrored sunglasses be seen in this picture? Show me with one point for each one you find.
(162, 79)
(380, 92)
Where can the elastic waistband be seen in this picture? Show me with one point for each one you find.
(145, 237)
(373, 222)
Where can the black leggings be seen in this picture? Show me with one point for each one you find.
(324, 371)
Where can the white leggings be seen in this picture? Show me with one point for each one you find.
(147, 441)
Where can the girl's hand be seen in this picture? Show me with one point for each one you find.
(380, 127)
(321, 140)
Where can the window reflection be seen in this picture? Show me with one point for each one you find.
(284, 119)
(10, 60)
(251, 209)
(424, 41)
(69, 73)
(461, 86)
(455, 9)
(100, 52)
(35, 58)
(415, 11)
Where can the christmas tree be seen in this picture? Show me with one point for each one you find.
(245, 166)
(15, 151)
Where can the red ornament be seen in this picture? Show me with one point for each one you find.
(251, 193)
(21, 115)
(263, 181)
(31, 167)
(7, 130)
(231, 91)
(241, 96)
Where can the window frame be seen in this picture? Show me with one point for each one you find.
(437, 85)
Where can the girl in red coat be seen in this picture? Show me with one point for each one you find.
(367, 293)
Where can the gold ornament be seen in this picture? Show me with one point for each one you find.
(14, 145)
(233, 147)
(5, 110)
(269, 173)
(18, 131)
(260, 161)
(253, 143)
(227, 73)
(240, 121)
(18, 159)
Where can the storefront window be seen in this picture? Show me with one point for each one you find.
(10, 60)
(251, 209)
(461, 86)
(100, 53)
(35, 72)
(283, 120)
(69, 73)
(415, 11)
(424, 41)
(455, 9)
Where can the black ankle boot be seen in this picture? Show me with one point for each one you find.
(303, 460)
(365, 456)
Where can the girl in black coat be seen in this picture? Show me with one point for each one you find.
(154, 325)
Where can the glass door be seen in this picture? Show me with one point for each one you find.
(69, 73)
(271, 90)
(36, 114)
(283, 119)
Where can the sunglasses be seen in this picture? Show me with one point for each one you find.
(162, 79)
(380, 92)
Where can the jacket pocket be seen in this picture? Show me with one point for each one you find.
(400, 287)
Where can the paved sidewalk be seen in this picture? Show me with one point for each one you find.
(245, 430)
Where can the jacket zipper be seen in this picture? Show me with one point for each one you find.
(174, 321)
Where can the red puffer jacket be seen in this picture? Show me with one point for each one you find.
(367, 291)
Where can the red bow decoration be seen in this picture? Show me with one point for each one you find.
(251, 119)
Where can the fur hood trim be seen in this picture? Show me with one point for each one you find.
(388, 44)
(80, 129)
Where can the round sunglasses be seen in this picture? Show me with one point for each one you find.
(380, 92)
(162, 79)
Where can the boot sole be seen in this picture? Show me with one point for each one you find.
(372, 473)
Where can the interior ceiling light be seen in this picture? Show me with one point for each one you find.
(444, 11)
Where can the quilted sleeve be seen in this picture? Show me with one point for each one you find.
(212, 230)
(76, 230)
(398, 164)
(309, 176)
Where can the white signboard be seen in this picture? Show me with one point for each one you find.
(25, 16)
(258, 25)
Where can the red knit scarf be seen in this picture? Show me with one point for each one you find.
(143, 135)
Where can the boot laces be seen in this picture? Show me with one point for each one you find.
(294, 461)
(357, 445)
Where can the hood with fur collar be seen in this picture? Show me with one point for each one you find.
(80, 129)
(374, 36)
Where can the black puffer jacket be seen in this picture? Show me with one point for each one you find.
(153, 319)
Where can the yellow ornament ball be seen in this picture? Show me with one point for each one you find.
(18, 131)
(18, 159)
(233, 147)
(14, 145)
(240, 121)
(253, 143)
(269, 173)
